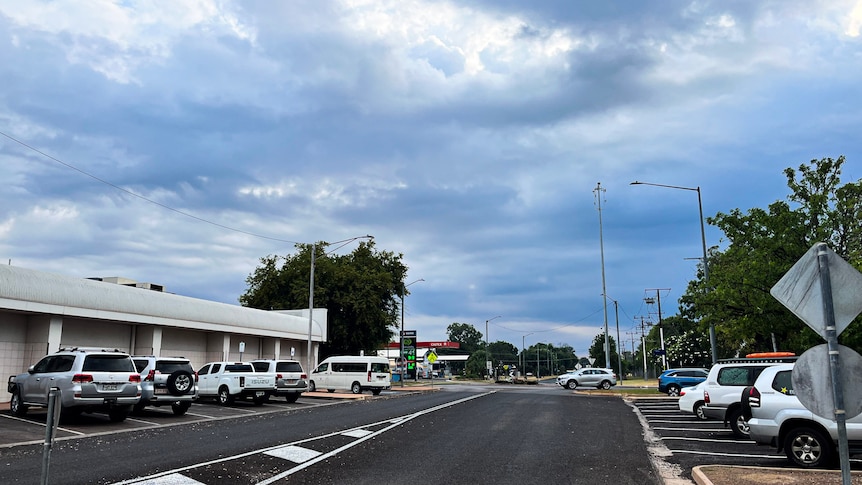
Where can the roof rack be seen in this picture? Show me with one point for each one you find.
(750, 360)
(88, 349)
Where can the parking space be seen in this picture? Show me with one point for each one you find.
(693, 442)
(31, 428)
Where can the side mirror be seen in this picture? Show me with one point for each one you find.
(32, 369)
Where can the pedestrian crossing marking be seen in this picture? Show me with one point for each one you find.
(357, 433)
(172, 479)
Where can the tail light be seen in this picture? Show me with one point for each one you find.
(279, 376)
(135, 378)
(682, 393)
(754, 398)
(303, 376)
(151, 375)
(196, 376)
(241, 381)
(369, 376)
(82, 378)
(706, 397)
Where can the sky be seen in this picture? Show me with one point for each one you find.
(179, 142)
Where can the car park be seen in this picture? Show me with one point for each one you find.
(291, 380)
(166, 381)
(588, 377)
(227, 381)
(672, 381)
(691, 400)
(88, 380)
(724, 385)
(778, 419)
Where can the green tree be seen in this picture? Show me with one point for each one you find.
(503, 352)
(466, 336)
(762, 245)
(597, 351)
(475, 366)
(360, 290)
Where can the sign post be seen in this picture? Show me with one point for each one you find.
(828, 312)
(408, 353)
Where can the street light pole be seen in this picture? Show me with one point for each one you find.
(523, 360)
(712, 339)
(490, 362)
(311, 291)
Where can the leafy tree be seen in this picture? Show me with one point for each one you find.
(475, 366)
(466, 335)
(762, 246)
(360, 290)
(597, 350)
(503, 352)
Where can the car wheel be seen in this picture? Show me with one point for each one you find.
(180, 408)
(139, 407)
(180, 382)
(224, 397)
(376, 392)
(355, 388)
(738, 424)
(571, 385)
(118, 414)
(291, 397)
(17, 407)
(673, 390)
(808, 448)
(258, 401)
(311, 386)
(605, 385)
(698, 410)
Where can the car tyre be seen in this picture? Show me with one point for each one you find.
(738, 424)
(180, 408)
(17, 407)
(572, 385)
(376, 392)
(311, 386)
(605, 385)
(258, 401)
(808, 448)
(698, 410)
(180, 382)
(355, 388)
(224, 397)
(292, 397)
(673, 390)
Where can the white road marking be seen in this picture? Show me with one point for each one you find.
(172, 479)
(357, 433)
(296, 454)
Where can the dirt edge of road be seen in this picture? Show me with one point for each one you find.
(743, 475)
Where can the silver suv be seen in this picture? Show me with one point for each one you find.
(291, 381)
(88, 380)
(723, 388)
(166, 381)
(779, 420)
(590, 376)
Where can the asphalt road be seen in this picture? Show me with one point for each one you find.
(518, 435)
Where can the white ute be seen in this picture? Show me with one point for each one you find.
(227, 381)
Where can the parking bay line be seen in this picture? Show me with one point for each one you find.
(705, 440)
(699, 430)
(16, 418)
(734, 455)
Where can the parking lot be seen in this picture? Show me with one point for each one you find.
(31, 428)
(693, 442)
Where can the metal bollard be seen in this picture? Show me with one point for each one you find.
(50, 428)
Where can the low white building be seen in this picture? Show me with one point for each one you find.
(42, 312)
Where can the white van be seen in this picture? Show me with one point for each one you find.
(357, 373)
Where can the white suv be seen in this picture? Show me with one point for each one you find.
(723, 388)
(291, 381)
(779, 420)
(590, 376)
(88, 380)
(166, 381)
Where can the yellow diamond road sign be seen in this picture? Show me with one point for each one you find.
(432, 356)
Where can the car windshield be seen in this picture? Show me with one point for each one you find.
(288, 367)
(108, 363)
(169, 367)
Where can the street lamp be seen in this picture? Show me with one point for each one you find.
(712, 342)
(489, 363)
(523, 361)
(311, 288)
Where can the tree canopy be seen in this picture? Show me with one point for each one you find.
(361, 291)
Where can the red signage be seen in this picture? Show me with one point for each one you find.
(436, 345)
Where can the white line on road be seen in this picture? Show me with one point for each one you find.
(682, 438)
(735, 455)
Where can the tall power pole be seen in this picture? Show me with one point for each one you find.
(599, 190)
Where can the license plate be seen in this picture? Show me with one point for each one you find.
(290, 381)
(109, 387)
(259, 394)
(161, 391)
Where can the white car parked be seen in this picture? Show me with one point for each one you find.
(691, 400)
(779, 420)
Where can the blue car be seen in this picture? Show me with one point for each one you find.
(672, 380)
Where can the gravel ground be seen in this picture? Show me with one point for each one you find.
(734, 475)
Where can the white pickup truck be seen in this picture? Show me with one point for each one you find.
(227, 381)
